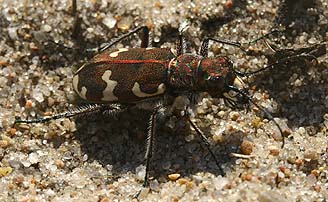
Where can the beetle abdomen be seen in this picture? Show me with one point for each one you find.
(123, 75)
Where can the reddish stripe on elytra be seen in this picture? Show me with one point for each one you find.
(134, 61)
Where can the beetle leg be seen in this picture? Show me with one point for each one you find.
(181, 44)
(207, 144)
(144, 38)
(245, 96)
(76, 30)
(78, 111)
(151, 138)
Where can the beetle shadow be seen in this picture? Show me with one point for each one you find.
(299, 88)
(121, 143)
(298, 16)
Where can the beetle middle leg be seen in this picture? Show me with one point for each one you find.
(151, 138)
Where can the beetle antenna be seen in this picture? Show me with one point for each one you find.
(269, 116)
(272, 65)
(309, 53)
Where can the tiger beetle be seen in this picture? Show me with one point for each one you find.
(115, 79)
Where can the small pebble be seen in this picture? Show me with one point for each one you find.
(317, 188)
(234, 116)
(246, 147)
(125, 23)
(59, 163)
(247, 177)
(174, 176)
(28, 104)
(274, 151)
(13, 131)
(4, 143)
(311, 154)
(18, 179)
(5, 171)
(315, 172)
(299, 162)
(182, 181)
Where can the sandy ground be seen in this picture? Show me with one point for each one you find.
(101, 158)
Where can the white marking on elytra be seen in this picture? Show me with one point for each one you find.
(115, 54)
(83, 92)
(109, 90)
(149, 48)
(137, 91)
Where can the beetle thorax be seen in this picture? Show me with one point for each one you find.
(195, 73)
(182, 72)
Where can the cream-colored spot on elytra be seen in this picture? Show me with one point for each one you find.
(115, 54)
(149, 48)
(109, 90)
(137, 91)
(83, 92)
(75, 82)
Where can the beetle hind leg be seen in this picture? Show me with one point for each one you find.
(78, 111)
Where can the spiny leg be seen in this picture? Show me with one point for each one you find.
(207, 144)
(78, 111)
(181, 45)
(151, 139)
(245, 96)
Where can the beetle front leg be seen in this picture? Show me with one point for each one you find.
(181, 44)
(204, 47)
(207, 144)
(247, 98)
